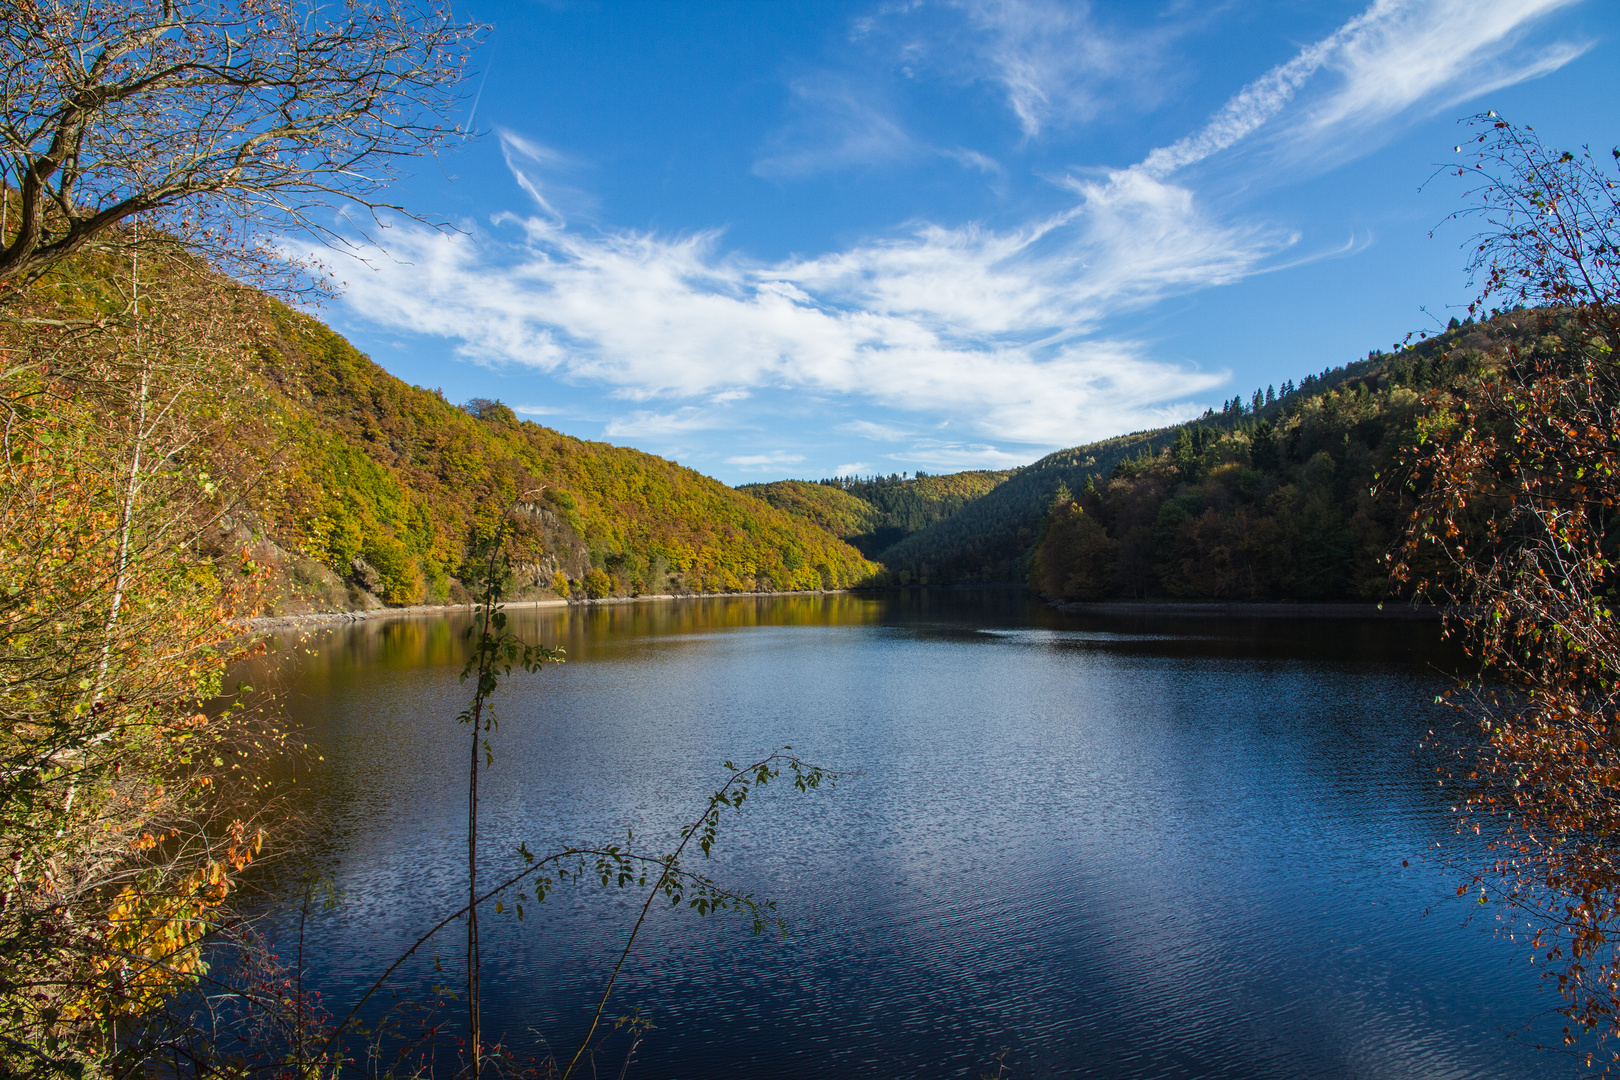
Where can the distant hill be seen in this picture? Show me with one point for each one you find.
(873, 513)
(991, 538)
(828, 507)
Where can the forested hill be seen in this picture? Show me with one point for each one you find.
(1173, 502)
(827, 507)
(380, 482)
(875, 512)
(989, 538)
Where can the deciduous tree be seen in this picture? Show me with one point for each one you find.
(1518, 478)
(218, 123)
(114, 627)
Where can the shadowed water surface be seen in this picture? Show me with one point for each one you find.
(1119, 848)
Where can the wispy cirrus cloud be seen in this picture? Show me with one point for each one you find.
(1056, 63)
(536, 168)
(1053, 62)
(1395, 57)
(835, 124)
(647, 423)
(838, 121)
(1428, 56)
(956, 456)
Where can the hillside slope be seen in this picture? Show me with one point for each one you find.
(380, 482)
(828, 507)
(988, 538)
(992, 537)
(874, 513)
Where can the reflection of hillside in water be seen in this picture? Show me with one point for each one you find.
(414, 641)
(411, 641)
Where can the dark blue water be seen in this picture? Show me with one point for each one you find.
(1126, 848)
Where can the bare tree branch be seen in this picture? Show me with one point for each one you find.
(222, 125)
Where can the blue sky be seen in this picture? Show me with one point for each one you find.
(789, 240)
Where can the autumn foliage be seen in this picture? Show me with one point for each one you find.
(393, 475)
(1518, 479)
(119, 410)
(1283, 500)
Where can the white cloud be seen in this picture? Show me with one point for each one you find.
(1052, 61)
(972, 159)
(879, 432)
(854, 468)
(969, 323)
(644, 423)
(536, 167)
(1433, 55)
(762, 461)
(840, 122)
(1057, 64)
(954, 457)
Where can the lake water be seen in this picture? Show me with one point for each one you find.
(1117, 848)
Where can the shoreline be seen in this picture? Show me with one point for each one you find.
(321, 618)
(1273, 609)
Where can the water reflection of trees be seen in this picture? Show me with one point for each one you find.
(415, 641)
